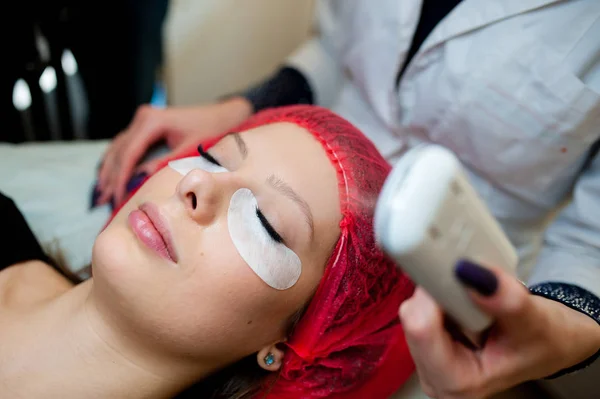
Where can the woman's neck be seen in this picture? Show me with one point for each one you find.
(67, 349)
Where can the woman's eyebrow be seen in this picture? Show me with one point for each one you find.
(283, 188)
(241, 144)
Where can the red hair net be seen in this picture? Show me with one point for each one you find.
(349, 344)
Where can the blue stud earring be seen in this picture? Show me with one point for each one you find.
(269, 359)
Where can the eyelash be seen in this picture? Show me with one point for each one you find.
(270, 230)
(207, 156)
(263, 220)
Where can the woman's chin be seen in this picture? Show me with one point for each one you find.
(124, 280)
(116, 251)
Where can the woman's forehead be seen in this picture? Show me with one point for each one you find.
(291, 156)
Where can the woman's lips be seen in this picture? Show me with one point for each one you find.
(149, 227)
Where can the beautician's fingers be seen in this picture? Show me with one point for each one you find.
(525, 343)
(108, 160)
(175, 125)
(111, 161)
(503, 297)
(143, 131)
(107, 169)
(520, 336)
(117, 144)
(150, 128)
(152, 166)
(530, 330)
(446, 368)
(423, 323)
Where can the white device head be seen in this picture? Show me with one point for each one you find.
(428, 217)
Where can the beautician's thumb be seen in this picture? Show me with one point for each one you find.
(496, 292)
(150, 167)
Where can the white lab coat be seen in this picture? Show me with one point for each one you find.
(511, 86)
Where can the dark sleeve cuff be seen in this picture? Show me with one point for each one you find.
(287, 87)
(577, 299)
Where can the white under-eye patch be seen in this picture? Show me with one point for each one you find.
(273, 262)
(185, 165)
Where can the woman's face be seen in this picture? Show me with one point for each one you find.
(208, 293)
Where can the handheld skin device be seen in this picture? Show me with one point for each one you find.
(428, 217)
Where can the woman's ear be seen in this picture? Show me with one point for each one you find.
(270, 357)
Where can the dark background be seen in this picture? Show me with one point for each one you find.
(118, 48)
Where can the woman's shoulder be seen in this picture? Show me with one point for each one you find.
(26, 277)
(30, 283)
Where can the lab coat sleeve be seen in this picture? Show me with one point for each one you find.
(568, 269)
(316, 61)
(571, 251)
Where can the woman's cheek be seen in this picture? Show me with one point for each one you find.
(215, 262)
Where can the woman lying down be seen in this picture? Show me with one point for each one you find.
(246, 270)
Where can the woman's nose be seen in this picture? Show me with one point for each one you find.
(199, 192)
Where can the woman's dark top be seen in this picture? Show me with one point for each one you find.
(19, 244)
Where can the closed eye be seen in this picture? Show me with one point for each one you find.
(268, 227)
(263, 220)
(207, 156)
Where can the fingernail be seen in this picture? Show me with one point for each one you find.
(136, 181)
(96, 193)
(476, 277)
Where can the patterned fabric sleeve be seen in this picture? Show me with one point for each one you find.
(577, 299)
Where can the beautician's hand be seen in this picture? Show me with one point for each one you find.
(179, 127)
(532, 338)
